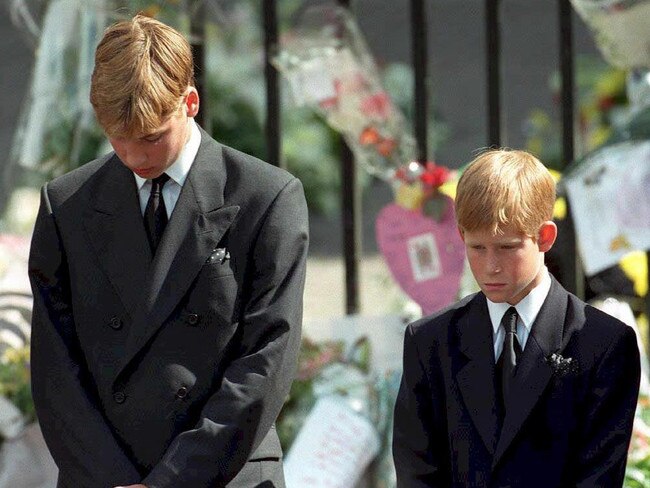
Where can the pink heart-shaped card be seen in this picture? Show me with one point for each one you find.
(425, 256)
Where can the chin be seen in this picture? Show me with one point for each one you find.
(496, 297)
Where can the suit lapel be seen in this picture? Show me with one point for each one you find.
(533, 372)
(115, 229)
(475, 380)
(197, 224)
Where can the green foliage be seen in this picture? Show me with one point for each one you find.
(15, 382)
(311, 151)
(601, 96)
(637, 472)
(399, 82)
(234, 120)
(67, 148)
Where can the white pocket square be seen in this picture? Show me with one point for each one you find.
(220, 254)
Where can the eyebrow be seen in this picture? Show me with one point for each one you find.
(504, 242)
(513, 242)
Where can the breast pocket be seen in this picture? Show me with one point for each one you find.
(218, 264)
(214, 297)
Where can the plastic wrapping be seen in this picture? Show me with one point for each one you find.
(620, 28)
(330, 69)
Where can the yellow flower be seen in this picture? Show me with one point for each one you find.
(610, 83)
(16, 356)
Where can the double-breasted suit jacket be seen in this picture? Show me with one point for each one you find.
(168, 370)
(566, 424)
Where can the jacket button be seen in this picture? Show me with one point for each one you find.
(115, 323)
(182, 392)
(192, 319)
(119, 397)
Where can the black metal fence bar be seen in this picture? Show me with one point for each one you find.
(493, 53)
(574, 279)
(351, 217)
(419, 55)
(566, 70)
(273, 125)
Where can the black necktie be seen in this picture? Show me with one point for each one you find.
(155, 214)
(511, 352)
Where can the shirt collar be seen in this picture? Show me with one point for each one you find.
(180, 168)
(527, 308)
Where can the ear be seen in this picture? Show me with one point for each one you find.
(191, 102)
(546, 236)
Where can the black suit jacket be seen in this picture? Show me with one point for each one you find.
(168, 370)
(566, 428)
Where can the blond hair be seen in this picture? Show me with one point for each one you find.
(142, 70)
(505, 188)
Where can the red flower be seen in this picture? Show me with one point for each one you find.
(434, 176)
(386, 147)
(369, 135)
(605, 103)
(400, 174)
(329, 103)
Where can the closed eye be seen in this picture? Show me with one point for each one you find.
(155, 137)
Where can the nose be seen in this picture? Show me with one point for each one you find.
(493, 265)
(134, 156)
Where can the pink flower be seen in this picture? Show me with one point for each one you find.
(377, 105)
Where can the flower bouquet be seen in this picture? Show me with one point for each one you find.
(330, 69)
(338, 416)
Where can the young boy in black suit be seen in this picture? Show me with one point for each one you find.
(521, 384)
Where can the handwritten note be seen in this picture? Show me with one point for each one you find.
(610, 203)
(333, 448)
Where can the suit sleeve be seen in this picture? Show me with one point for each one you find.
(609, 415)
(256, 382)
(73, 426)
(417, 435)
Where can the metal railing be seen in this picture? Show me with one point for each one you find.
(573, 278)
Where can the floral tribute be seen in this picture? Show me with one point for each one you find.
(330, 69)
(417, 187)
(330, 369)
(418, 238)
(637, 473)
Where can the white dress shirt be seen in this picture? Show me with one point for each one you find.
(177, 173)
(527, 310)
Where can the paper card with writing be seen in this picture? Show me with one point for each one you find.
(609, 195)
(333, 448)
